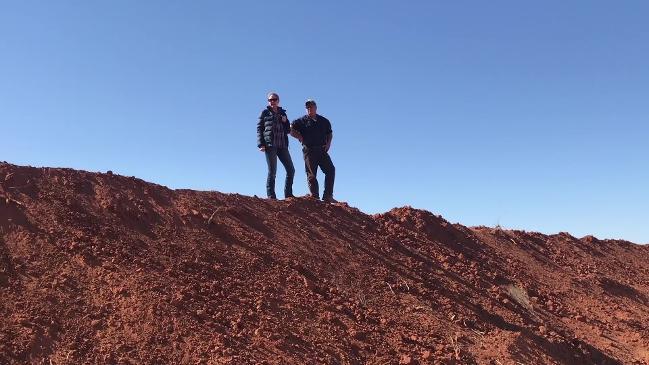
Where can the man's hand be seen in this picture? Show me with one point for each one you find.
(262, 148)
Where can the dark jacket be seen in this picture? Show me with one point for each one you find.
(265, 126)
(314, 133)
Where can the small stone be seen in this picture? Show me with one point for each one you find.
(405, 360)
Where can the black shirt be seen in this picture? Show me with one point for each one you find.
(314, 132)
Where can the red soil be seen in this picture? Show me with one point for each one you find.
(106, 269)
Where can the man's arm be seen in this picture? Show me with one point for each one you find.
(296, 134)
(330, 137)
(261, 143)
(295, 126)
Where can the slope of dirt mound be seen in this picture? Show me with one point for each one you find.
(101, 268)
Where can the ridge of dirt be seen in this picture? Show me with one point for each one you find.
(102, 268)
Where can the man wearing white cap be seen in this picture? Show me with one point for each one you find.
(272, 139)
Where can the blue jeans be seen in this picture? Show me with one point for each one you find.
(272, 153)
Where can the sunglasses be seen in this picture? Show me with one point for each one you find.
(273, 99)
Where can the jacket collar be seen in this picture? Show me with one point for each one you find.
(279, 109)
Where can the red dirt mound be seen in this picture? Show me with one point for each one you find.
(106, 269)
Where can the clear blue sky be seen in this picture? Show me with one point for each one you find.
(531, 115)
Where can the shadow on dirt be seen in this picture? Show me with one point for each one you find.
(529, 348)
(617, 289)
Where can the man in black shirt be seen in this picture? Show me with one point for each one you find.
(314, 132)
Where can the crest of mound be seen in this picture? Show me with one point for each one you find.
(420, 222)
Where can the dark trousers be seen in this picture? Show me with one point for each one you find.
(314, 157)
(272, 153)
